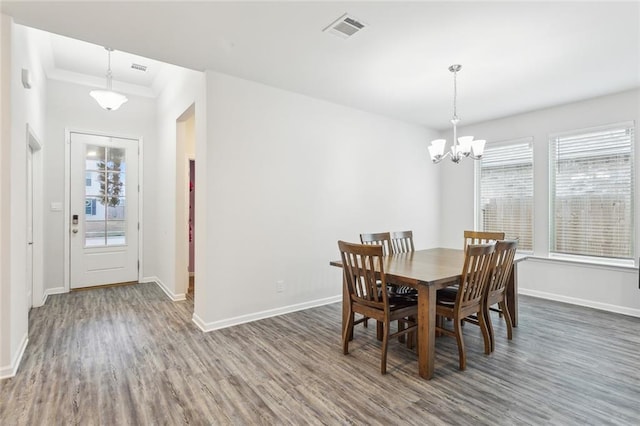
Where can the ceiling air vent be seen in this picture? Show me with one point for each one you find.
(345, 26)
(139, 67)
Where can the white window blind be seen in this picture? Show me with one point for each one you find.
(592, 191)
(506, 190)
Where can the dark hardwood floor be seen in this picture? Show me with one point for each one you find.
(128, 355)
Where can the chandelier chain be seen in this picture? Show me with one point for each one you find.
(455, 94)
(109, 74)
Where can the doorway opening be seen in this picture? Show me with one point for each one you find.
(34, 286)
(185, 205)
(192, 226)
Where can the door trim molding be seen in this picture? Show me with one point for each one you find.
(67, 197)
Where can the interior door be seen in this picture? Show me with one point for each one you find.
(103, 210)
(29, 280)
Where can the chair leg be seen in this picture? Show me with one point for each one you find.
(458, 332)
(385, 342)
(411, 335)
(347, 334)
(507, 318)
(351, 332)
(439, 324)
(484, 327)
(379, 330)
(487, 318)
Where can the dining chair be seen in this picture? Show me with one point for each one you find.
(481, 237)
(472, 237)
(379, 239)
(495, 293)
(468, 298)
(402, 242)
(363, 269)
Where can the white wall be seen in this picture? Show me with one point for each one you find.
(288, 176)
(27, 106)
(5, 192)
(69, 106)
(568, 282)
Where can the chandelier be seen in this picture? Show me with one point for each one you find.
(108, 99)
(463, 146)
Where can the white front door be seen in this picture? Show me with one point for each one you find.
(103, 209)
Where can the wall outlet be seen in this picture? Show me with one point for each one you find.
(280, 286)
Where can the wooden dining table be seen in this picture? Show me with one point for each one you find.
(428, 271)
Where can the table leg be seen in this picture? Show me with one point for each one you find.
(345, 304)
(426, 330)
(512, 294)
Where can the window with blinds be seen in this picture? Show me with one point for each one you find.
(592, 191)
(505, 199)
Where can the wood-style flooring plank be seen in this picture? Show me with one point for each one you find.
(129, 356)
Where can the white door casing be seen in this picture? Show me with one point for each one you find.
(103, 210)
(29, 277)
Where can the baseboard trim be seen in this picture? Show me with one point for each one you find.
(581, 302)
(11, 370)
(176, 297)
(242, 319)
(48, 292)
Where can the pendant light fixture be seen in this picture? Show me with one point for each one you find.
(463, 146)
(108, 99)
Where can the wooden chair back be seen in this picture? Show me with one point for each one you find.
(481, 237)
(505, 252)
(364, 274)
(378, 239)
(473, 280)
(402, 242)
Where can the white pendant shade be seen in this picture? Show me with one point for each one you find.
(108, 99)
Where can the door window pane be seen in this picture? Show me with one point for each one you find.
(115, 159)
(116, 232)
(94, 233)
(95, 158)
(89, 208)
(116, 209)
(93, 184)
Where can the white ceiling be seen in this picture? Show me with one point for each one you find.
(516, 57)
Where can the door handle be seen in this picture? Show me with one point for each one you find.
(30, 243)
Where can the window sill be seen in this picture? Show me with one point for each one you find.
(584, 262)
